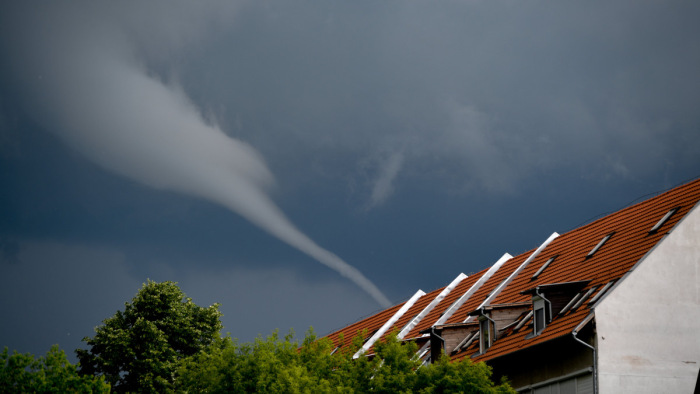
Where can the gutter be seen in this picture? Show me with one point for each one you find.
(495, 332)
(549, 305)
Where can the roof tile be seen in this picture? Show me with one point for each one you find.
(630, 242)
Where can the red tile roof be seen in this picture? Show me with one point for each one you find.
(629, 242)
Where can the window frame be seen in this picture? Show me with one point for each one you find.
(539, 309)
(485, 327)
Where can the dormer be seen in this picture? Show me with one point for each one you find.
(448, 337)
(549, 299)
(494, 318)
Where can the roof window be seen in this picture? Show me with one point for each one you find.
(663, 220)
(600, 244)
(466, 341)
(558, 296)
(544, 266)
(601, 292)
(583, 298)
(472, 339)
(523, 321)
(570, 304)
(369, 335)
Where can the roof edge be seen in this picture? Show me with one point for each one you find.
(643, 258)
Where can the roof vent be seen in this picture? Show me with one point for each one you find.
(663, 220)
(600, 244)
(544, 266)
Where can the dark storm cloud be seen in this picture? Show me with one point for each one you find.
(60, 292)
(88, 89)
(401, 134)
(482, 94)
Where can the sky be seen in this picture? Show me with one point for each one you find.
(308, 163)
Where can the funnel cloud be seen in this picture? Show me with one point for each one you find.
(125, 118)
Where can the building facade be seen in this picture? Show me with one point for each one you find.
(610, 307)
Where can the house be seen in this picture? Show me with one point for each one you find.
(609, 307)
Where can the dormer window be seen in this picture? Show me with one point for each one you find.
(550, 299)
(540, 309)
(493, 319)
(486, 331)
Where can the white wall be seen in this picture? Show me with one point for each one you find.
(648, 328)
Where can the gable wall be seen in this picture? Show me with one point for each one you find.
(454, 335)
(648, 326)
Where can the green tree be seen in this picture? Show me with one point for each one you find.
(139, 349)
(22, 373)
(274, 365)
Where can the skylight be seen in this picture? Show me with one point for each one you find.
(580, 301)
(471, 340)
(663, 220)
(570, 304)
(544, 266)
(600, 244)
(466, 341)
(523, 321)
(601, 292)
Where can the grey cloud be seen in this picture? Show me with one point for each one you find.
(556, 87)
(91, 92)
(456, 117)
(57, 293)
(288, 299)
(383, 184)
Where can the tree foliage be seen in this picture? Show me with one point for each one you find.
(279, 365)
(138, 350)
(163, 342)
(22, 373)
